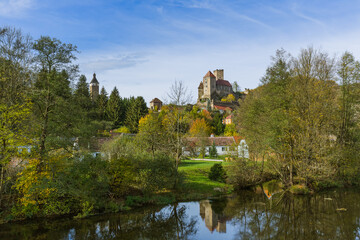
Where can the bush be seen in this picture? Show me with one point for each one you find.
(245, 173)
(122, 129)
(156, 173)
(217, 173)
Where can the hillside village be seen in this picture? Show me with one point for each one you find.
(215, 95)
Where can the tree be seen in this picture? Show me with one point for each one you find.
(228, 98)
(52, 54)
(217, 124)
(135, 112)
(230, 130)
(82, 94)
(15, 106)
(291, 116)
(151, 133)
(102, 104)
(213, 151)
(52, 93)
(348, 72)
(178, 94)
(236, 87)
(199, 128)
(114, 108)
(176, 120)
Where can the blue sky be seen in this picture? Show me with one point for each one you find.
(142, 46)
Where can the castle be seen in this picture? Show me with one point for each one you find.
(212, 89)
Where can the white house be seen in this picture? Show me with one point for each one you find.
(224, 146)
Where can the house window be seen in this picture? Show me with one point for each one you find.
(223, 149)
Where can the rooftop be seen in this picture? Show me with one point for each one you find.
(209, 74)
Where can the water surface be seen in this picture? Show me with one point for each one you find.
(265, 213)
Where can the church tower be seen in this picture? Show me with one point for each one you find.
(94, 88)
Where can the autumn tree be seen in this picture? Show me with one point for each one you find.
(200, 128)
(15, 105)
(292, 115)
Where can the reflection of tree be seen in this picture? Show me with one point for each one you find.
(252, 215)
(296, 217)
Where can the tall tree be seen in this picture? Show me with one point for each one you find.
(292, 116)
(82, 93)
(102, 103)
(52, 93)
(15, 107)
(136, 111)
(114, 108)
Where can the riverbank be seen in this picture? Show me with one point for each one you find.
(195, 185)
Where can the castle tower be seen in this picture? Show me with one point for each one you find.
(219, 74)
(209, 83)
(94, 88)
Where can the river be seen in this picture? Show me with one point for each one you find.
(264, 213)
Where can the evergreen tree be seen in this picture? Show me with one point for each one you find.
(114, 107)
(102, 101)
(217, 124)
(82, 94)
(136, 111)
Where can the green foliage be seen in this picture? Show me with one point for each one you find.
(136, 110)
(230, 130)
(245, 173)
(217, 173)
(213, 151)
(115, 109)
(66, 186)
(122, 129)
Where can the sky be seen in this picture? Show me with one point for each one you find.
(143, 46)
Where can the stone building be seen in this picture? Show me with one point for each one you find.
(156, 104)
(214, 86)
(94, 88)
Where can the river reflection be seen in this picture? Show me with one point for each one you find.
(264, 213)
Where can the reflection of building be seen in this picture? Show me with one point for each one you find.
(213, 221)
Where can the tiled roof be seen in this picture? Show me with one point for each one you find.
(201, 85)
(238, 139)
(156, 100)
(209, 74)
(229, 117)
(222, 108)
(218, 141)
(223, 82)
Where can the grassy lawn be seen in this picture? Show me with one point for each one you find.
(197, 184)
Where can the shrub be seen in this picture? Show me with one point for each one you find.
(245, 173)
(217, 173)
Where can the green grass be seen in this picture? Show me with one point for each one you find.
(197, 184)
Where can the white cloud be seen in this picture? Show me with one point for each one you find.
(14, 8)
